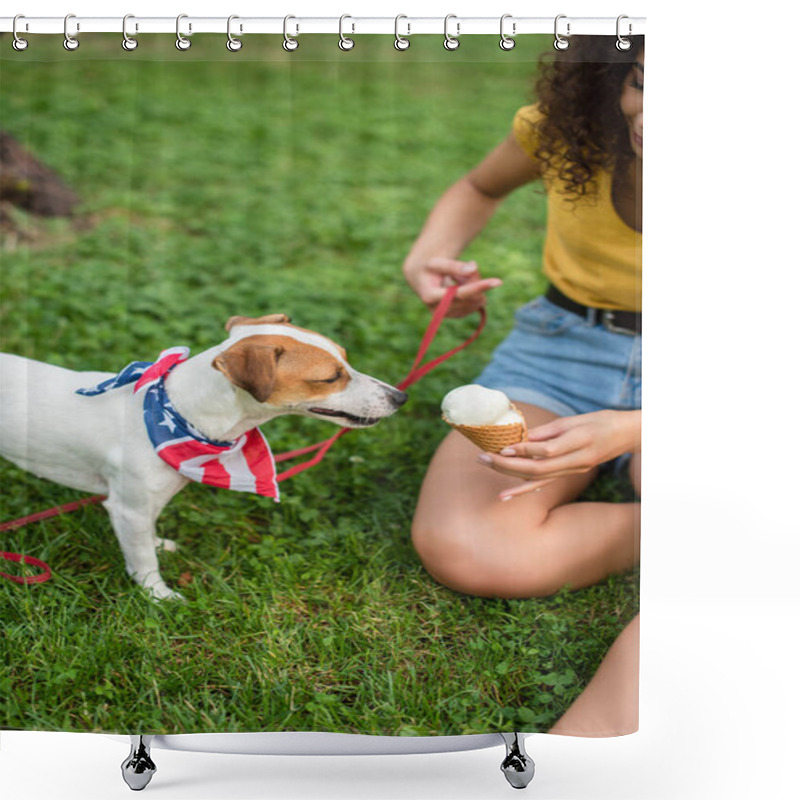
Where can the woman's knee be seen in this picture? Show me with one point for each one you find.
(475, 557)
(445, 552)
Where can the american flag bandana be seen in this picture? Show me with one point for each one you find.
(244, 465)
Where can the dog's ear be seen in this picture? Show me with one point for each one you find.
(250, 366)
(269, 319)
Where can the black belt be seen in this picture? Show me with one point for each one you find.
(617, 321)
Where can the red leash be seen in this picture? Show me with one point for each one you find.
(43, 576)
(417, 371)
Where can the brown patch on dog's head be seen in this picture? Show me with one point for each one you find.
(281, 369)
(269, 319)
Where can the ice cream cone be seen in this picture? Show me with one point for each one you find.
(492, 438)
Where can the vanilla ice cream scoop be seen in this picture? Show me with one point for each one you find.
(475, 405)
(485, 416)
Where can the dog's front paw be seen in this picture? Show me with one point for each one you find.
(170, 595)
(161, 591)
(170, 545)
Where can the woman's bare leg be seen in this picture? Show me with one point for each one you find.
(530, 546)
(609, 705)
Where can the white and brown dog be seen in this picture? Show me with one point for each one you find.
(103, 443)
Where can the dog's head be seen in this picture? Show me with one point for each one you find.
(296, 371)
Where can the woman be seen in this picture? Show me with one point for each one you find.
(571, 364)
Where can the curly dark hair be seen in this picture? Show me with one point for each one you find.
(582, 128)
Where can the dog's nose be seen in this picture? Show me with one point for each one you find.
(397, 397)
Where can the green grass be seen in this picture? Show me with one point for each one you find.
(216, 184)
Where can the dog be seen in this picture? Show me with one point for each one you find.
(90, 430)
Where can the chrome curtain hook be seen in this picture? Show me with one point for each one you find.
(623, 44)
(128, 42)
(233, 44)
(560, 42)
(70, 42)
(400, 42)
(506, 42)
(182, 43)
(451, 42)
(290, 44)
(18, 43)
(345, 42)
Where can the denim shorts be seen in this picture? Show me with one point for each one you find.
(564, 363)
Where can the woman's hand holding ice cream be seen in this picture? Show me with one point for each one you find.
(566, 446)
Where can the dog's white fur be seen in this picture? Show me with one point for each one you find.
(99, 444)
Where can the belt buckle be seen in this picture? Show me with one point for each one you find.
(607, 319)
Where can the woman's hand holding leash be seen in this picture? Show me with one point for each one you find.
(567, 446)
(432, 280)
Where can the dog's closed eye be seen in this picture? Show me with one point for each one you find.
(337, 377)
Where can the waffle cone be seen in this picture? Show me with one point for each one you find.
(492, 438)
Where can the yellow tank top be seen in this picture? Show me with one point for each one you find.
(590, 254)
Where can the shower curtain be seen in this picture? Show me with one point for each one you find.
(149, 195)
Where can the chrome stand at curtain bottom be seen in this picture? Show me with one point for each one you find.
(139, 767)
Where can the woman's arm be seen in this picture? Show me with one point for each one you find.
(567, 446)
(459, 215)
